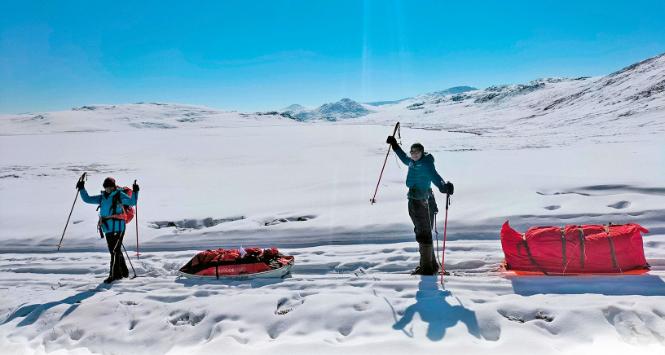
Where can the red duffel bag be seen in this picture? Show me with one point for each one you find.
(575, 249)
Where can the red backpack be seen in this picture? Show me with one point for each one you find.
(127, 211)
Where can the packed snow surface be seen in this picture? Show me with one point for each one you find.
(550, 152)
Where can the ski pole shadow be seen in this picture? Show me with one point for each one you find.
(31, 312)
(615, 285)
(434, 309)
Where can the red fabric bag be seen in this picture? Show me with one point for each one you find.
(575, 249)
(228, 262)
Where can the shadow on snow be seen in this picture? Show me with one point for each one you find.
(433, 308)
(619, 285)
(31, 313)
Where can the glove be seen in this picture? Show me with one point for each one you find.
(80, 185)
(135, 187)
(450, 188)
(391, 140)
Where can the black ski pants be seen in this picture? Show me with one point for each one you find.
(422, 215)
(118, 268)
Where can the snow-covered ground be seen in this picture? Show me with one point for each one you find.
(352, 298)
(223, 179)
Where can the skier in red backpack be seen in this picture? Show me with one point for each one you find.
(112, 220)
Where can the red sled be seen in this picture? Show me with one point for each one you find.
(573, 250)
(229, 264)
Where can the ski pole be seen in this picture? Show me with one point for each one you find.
(373, 200)
(445, 230)
(137, 226)
(130, 260)
(436, 233)
(70, 214)
(115, 256)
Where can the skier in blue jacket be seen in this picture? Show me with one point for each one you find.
(111, 221)
(422, 205)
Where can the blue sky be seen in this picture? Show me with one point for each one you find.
(260, 55)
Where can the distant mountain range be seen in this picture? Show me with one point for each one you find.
(347, 108)
(629, 100)
(342, 109)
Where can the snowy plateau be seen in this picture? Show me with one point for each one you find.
(552, 151)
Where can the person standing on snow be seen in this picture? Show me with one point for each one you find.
(422, 205)
(111, 221)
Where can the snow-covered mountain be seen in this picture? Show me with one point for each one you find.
(347, 108)
(294, 108)
(623, 101)
(96, 118)
(628, 101)
(453, 90)
(631, 99)
(333, 111)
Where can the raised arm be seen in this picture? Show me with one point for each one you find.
(401, 155)
(398, 150)
(406, 318)
(95, 200)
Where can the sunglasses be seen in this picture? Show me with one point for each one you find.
(415, 152)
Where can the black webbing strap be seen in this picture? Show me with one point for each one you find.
(217, 270)
(564, 258)
(615, 263)
(528, 252)
(582, 247)
(114, 207)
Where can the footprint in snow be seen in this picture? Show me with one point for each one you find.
(288, 219)
(192, 223)
(362, 306)
(523, 317)
(186, 318)
(286, 305)
(633, 326)
(620, 205)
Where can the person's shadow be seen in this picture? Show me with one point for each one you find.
(434, 309)
(31, 312)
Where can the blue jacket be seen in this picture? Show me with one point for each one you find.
(105, 203)
(422, 174)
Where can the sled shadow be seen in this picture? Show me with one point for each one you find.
(619, 285)
(433, 308)
(31, 313)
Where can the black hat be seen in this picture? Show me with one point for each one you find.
(109, 182)
(418, 146)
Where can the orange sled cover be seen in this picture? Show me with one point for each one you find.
(575, 249)
(229, 262)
